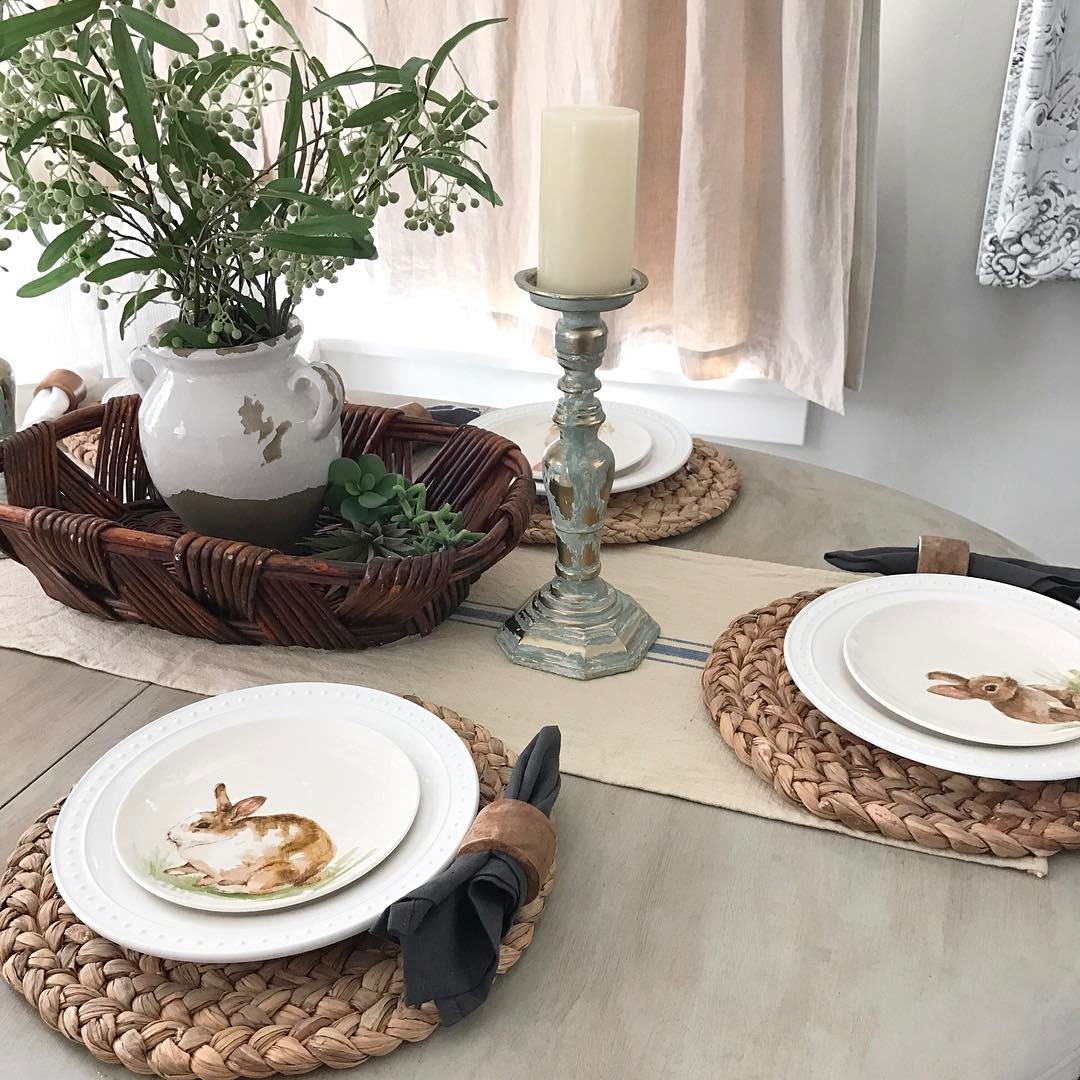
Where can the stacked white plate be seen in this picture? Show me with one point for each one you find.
(264, 822)
(648, 445)
(954, 672)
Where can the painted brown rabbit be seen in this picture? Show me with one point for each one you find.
(1032, 704)
(229, 847)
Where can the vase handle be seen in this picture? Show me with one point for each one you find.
(329, 391)
(143, 372)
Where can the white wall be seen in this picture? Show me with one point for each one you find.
(972, 394)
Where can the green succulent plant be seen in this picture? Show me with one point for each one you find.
(361, 542)
(360, 490)
(383, 515)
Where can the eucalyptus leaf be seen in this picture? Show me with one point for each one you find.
(378, 73)
(193, 337)
(135, 304)
(458, 172)
(410, 69)
(380, 108)
(342, 169)
(65, 272)
(330, 247)
(138, 99)
(448, 46)
(105, 158)
(61, 245)
(113, 270)
(31, 132)
(341, 224)
(290, 126)
(274, 12)
(346, 27)
(149, 26)
(16, 30)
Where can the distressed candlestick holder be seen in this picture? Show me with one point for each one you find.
(578, 625)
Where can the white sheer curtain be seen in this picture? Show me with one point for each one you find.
(756, 184)
(755, 220)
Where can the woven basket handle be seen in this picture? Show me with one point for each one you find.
(942, 555)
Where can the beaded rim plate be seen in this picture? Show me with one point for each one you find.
(97, 889)
(814, 657)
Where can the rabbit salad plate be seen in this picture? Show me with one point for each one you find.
(315, 804)
(814, 656)
(303, 796)
(989, 669)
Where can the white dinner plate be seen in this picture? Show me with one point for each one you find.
(100, 892)
(979, 668)
(814, 655)
(531, 427)
(671, 443)
(265, 811)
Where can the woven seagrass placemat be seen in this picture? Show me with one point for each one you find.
(336, 1006)
(700, 491)
(816, 764)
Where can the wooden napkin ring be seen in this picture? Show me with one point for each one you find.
(941, 555)
(519, 830)
(68, 381)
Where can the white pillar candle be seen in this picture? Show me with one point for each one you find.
(588, 191)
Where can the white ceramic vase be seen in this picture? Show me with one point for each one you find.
(238, 440)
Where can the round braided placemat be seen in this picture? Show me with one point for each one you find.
(700, 491)
(813, 762)
(336, 1006)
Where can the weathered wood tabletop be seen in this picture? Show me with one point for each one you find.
(685, 941)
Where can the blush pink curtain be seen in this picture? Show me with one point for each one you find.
(755, 221)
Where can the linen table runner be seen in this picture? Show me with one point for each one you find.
(646, 729)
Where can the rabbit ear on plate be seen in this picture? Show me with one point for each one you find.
(947, 676)
(222, 797)
(960, 693)
(247, 807)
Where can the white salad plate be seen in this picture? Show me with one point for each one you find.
(102, 894)
(260, 811)
(972, 667)
(814, 655)
(531, 427)
(671, 443)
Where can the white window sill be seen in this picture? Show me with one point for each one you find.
(738, 407)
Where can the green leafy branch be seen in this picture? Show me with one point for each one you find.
(126, 134)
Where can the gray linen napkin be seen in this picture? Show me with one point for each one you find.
(450, 929)
(1058, 582)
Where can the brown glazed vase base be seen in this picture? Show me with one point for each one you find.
(273, 523)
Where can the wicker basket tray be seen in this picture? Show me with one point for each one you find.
(108, 546)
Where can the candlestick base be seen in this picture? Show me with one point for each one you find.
(579, 630)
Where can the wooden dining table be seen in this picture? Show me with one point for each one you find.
(682, 940)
